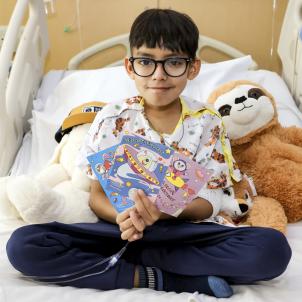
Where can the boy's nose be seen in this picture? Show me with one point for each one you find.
(159, 73)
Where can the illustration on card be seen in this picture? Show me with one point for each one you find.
(101, 163)
(184, 178)
(139, 164)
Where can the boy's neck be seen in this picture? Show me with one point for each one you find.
(158, 111)
(164, 119)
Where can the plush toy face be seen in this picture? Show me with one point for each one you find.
(238, 200)
(244, 109)
(236, 207)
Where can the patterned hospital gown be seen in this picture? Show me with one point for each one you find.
(199, 134)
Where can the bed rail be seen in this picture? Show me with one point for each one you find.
(123, 40)
(21, 70)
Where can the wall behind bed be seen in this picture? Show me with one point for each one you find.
(252, 26)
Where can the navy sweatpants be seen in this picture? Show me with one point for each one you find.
(241, 255)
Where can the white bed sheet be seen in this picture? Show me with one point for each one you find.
(109, 84)
(13, 288)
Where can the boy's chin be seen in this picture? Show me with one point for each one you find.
(160, 101)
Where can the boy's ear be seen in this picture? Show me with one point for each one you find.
(194, 69)
(129, 68)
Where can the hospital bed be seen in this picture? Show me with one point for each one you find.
(33, 105)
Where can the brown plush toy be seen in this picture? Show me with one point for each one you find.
(242, 206)
(266, 212)
(263, 149)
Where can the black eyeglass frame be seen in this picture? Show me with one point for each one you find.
(162, 62)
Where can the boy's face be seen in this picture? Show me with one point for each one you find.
(160, 89)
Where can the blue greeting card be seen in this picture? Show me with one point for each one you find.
(101, 163)
(138, 164)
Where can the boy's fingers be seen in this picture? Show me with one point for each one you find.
(128, 233)
(126, 225)
(142, 211)
(137, 221)
(122, 216)
(151, 210)
(136, 236)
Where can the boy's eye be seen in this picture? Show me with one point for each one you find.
(175, 62)
(145, 62)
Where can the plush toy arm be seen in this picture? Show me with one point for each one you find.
(57, 153)
(54, 172)
(74, 205)
(293, 135)
(285, 150)
(267, 212)
(37, 203)
(80, 180)
(52, 175)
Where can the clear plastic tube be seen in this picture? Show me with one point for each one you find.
(111, 261)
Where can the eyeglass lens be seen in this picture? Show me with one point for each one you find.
(174, 67)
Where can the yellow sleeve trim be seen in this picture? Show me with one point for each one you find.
(227, 152)
(228, 155)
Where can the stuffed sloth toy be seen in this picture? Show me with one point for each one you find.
(263, 149)
(60, 192)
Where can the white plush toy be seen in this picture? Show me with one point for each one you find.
(60, 192)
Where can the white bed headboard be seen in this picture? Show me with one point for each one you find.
(123, 40)
(21, 70)
(290, 49)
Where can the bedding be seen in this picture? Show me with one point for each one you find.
(60, 91)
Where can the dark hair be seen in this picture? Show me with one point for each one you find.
(165, 28)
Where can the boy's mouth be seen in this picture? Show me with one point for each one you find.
(159, 88)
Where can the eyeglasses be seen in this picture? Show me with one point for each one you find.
(173, 67)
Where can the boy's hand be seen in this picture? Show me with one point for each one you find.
(131, 225)
(145, 208)
(133, 221)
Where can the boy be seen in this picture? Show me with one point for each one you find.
(164, 253)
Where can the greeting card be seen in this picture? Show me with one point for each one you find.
(170, 179)
(183, 180)
(138, 164)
